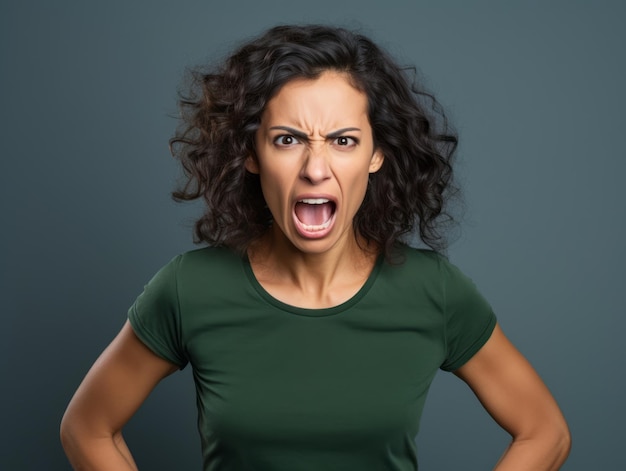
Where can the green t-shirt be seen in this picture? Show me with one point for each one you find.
(282, 388)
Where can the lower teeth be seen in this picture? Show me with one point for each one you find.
(316, 228)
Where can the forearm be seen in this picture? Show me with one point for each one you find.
(113, 390)
(518, 400)
(547, 453)
(98, 454)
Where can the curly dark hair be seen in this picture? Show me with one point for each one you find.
(222, 113)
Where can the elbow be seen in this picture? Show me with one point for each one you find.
(546, 446)
(562, 442)
(74, 434)
(560, 439)
(67, 434)
(556, 443)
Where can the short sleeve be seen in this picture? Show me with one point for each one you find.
(469, 319)
(155, 316)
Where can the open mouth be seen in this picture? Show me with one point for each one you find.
(315, 214)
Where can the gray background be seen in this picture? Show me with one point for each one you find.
(536, 92)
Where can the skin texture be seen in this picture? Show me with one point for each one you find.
(331, 155)
(114, 388)
(314, 141)
(518, 400)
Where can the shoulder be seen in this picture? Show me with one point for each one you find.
(204, 263)
(417, 262)
(207, 266)
(206, 258)
(413, 272)
(430, 270)
(430, 263)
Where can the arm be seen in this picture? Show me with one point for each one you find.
(514, 395)
(114, 388)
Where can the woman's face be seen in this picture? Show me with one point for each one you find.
(314, 152)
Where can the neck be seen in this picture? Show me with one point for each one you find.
(311, 279)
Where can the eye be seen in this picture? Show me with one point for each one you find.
(346, 141)
(286, 140)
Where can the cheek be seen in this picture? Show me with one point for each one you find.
(275, 191)
(355, 189)
(357, 176)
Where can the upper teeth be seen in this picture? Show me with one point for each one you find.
(314, 200)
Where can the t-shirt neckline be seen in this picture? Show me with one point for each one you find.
(301, 311)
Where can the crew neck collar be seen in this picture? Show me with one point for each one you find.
(301, 311)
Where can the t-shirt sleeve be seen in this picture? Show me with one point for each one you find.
(155, 315)
(469, 319)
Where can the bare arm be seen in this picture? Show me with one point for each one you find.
(116, 385)
(515, 396)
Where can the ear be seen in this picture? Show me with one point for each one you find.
(252, 164)
(376, 161)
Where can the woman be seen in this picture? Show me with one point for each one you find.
(312, 330)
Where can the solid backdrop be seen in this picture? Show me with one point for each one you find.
(88, 99)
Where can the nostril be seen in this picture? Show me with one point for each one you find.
(316, 168)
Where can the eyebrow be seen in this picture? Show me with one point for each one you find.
(304, 136)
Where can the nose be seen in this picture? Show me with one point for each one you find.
(316, 165)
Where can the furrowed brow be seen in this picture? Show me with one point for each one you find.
(295, 132)
(302, 135)
(340, 132)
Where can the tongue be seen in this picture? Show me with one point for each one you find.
(314, 214)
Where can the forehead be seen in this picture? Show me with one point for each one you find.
(330, 98)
